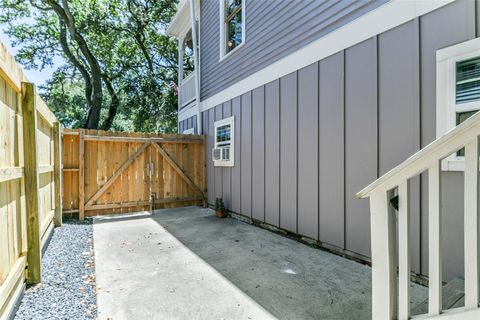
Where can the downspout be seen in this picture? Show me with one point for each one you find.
(180, 75)
(197, 66)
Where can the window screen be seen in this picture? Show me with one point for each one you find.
(223, 134)
(467, 81)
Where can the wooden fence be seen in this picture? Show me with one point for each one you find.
(29, 180)
(107, 172)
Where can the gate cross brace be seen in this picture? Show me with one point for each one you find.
(112, 179)
(177, 168)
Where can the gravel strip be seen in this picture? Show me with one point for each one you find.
(68, 288)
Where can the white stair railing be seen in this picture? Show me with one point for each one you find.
(388, 301)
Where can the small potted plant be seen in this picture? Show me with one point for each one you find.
(220, 211)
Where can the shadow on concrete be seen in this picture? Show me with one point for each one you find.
(289, 279)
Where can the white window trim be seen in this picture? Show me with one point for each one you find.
(223, 54)
(446, 89)
(189, 131)
(219, 123)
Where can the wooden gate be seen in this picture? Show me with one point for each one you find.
(111, 172)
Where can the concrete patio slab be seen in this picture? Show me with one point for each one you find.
(185, 263)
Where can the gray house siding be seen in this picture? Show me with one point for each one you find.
(307, 142)
(331, 138)
(457, 23)
(288, 152)
(188, 124)
(272, 157)
(291, 25)
(360, 103)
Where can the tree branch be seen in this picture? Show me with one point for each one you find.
(78, 65)
(65, 15)
(114, 104)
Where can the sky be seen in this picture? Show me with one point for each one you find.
(37, 77)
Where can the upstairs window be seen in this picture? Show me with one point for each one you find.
(232, 29)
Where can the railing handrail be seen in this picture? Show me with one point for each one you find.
(445, 145)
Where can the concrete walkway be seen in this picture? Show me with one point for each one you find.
(186, 264)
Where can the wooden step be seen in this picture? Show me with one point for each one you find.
(452, 296)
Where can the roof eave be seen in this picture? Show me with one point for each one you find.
(180, 23)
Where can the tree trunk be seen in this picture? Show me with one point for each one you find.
(114, 103)
(65, 15)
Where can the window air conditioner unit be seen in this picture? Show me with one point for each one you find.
(221, 154)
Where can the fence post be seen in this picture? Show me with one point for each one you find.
(81, 175)
(34, 274)
(57, 172)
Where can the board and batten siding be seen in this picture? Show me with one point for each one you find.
(274, 29)
(188, 124)
(307, 142)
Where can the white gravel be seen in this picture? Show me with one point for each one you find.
(68, 287)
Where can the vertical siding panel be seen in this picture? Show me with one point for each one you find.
(398, 112)
(194, 124)
(452, 206)
(218, 170)
(227, 171)
(308, 151)
(360, 140)
(258, 153)
(331, 117)
(246, 155)
(288, 152)
(458, 23)
(272, 153)
(210, 116)
(236, 170)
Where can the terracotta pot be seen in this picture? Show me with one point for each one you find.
(220, 214)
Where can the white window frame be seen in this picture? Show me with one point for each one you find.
(223, 49)
(446, 91)
(227, 121)
(189, 131)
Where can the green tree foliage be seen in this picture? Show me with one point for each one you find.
(117, 60)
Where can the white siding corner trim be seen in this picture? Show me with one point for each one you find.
(187, 112)
(189, 131)
(385, 17)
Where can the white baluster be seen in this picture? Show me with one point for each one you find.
(384, 294)
(434, 241)
(471, 224)
(403, 252)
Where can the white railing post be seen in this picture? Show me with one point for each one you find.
(471, 224)
(180, 71)
(434, 241)
(384, 293)
(403, 252)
